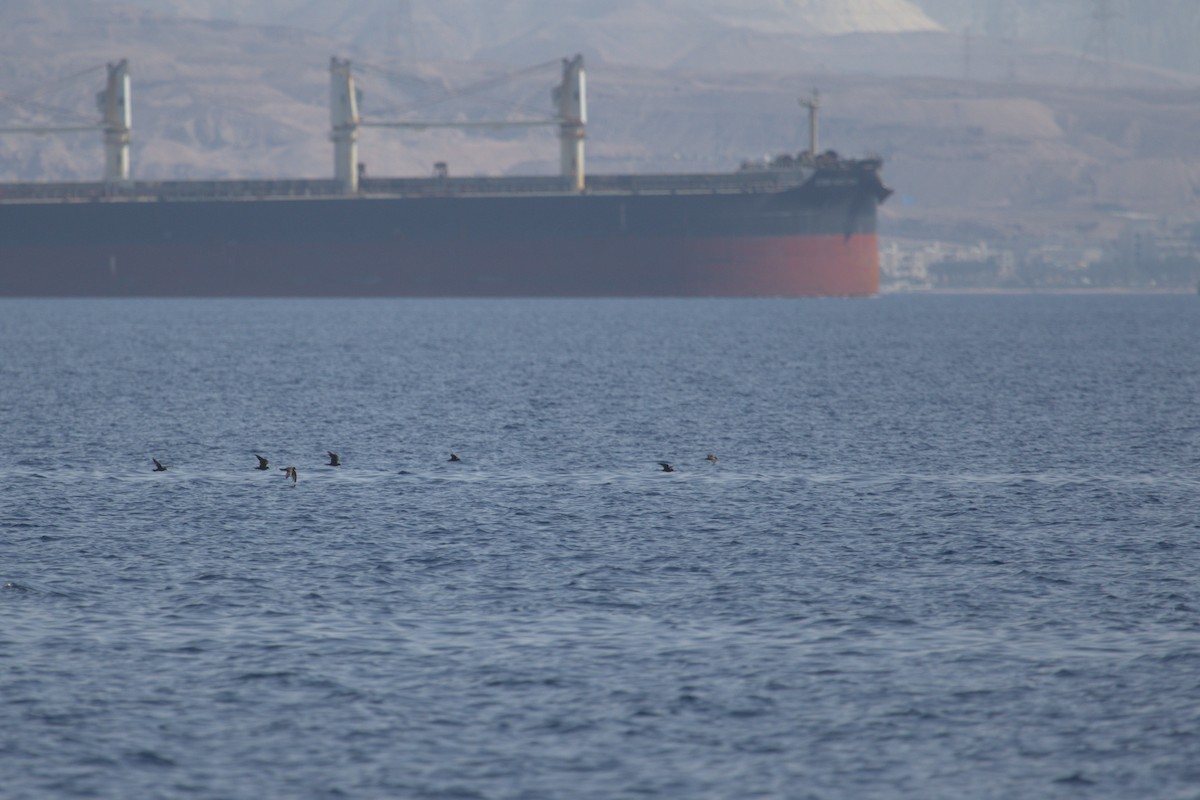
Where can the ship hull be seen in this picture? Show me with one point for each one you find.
(802, 241)
(792, 266)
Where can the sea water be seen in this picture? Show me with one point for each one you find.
(950, 547)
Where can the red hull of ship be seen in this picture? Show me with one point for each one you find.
(622, 266)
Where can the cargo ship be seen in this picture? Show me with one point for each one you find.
(797, 225)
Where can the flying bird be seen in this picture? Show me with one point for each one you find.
(158, 467)
(289, 472)
(666, 467)
(334, 461)
(262, 462)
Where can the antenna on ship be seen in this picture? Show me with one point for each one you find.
(813, 104)
(116, 122)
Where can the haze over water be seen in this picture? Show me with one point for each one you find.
(949, 548)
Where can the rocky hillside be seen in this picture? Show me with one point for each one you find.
(1156, 32)
(1027, 148)
(648, 32)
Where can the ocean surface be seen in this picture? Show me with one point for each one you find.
(950, 548)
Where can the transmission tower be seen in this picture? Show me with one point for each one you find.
(401, 31)
(1097, 44)
(967, 53)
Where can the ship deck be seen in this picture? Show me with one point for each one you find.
(749, 181)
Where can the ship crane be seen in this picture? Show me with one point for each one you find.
(813, 104)
(570, 100)
(116, 122)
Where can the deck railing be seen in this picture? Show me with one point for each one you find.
(193, 190)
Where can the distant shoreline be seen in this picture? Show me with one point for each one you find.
(1065, 290)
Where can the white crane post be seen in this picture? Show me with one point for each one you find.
(813, 105)
(343, 114)
(118, 120)
(571, 98)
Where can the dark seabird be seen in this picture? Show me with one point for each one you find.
(454, 457)
(290, 472)
(262, 462)
(334, 461)
(711, 457)
(666, 467)
(158, 467)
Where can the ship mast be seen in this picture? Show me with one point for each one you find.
(343, 115)
(118, 121)
(813, 104)
(571, 98)
(570, 102)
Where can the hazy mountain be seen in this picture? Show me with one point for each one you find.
(1012, 141)
(627, 31)
(1154, 32)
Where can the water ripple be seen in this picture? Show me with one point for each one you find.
(924, 565)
